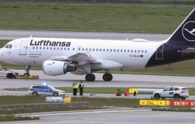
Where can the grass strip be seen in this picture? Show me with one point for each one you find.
(100, 90)
(142, 18)
(16, 111)
(175, 109)
(15, 118)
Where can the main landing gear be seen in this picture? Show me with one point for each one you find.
(106, 77)
(90, 77)
(27, 70)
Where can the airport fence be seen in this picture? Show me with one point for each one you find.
(174, 2)
(43, 105)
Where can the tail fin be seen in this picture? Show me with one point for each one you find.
(185, 33)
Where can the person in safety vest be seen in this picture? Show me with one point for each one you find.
(74, 89)
(81, 87)
(127, 93)
(118, 93)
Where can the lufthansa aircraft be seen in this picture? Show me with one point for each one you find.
(83, 57)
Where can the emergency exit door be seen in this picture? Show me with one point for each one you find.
(160, 53)
(23, 47)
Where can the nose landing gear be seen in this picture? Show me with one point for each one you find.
(27, 70)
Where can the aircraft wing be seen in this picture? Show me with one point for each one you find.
(80, 58)
(188, 50)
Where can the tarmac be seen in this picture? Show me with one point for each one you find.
(119, 80)
(110, 116)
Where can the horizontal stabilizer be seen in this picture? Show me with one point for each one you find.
(188, 50)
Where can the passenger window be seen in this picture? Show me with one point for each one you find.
(142, 51)
(110, 50)
(50, 48)
(90, 49)
(83, 49)
(43, 47)
(33, 47)
(61, 48)
(57, 48)
(103, 49)
(93, 49)
(73, 48)
(54, 48)
(86, 49)
(124, 50)
(65, 49)
(114, 50)
(96, 49)
(47, 47)
(131, 50)
(40, 47)
(135, 51)
(127, 50)
(138, 51)
(68, 49)
(121, 50)
(145, 51)
(37, 47)
(107, 50)
(100, 49)
(118, 50)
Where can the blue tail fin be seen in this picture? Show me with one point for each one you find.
(185, 33)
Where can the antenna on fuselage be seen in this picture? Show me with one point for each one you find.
(127, 39)
(30, 36)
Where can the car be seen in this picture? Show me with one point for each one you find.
(176, 92)
(36, 90)
(7, 73)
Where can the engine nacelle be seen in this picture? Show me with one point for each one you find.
(54, 68)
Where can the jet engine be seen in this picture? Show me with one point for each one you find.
(55, 68)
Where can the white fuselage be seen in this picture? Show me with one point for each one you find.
(131, 54)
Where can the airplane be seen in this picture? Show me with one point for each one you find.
(57, 56)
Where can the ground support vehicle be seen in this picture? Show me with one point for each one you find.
(27, 77)
(7, 73)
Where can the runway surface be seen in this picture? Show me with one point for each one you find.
(14, 34)
(113, 116)
(119, 80)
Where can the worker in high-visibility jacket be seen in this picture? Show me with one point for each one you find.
(118, 93)
(76, 88)
(81, 87)
(127, 93)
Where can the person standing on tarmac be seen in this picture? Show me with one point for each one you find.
(81, 87)
(76, 88)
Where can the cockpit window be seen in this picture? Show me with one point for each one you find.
(10, 46)
(7, 46)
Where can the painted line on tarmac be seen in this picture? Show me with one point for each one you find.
(93, 112)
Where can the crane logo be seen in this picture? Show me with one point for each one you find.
(188, 31)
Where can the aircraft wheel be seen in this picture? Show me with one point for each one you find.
(90, 77)
(107, 77)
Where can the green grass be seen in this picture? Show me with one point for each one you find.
(90, 17)
(176, 109)
(15, 118)
(100, 90)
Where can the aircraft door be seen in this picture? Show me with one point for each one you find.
(23, 47)
(160, 53)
